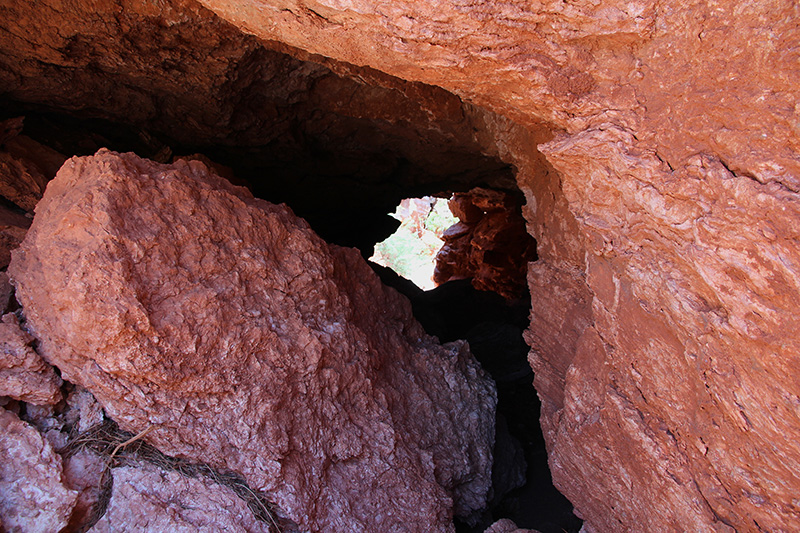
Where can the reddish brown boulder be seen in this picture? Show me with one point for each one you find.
(490, 244)
(663, 326)
(33, 497)
(24, 375)
(147, 498)
(247, 342)
(21, 182)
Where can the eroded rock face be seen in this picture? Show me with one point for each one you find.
(490, 245)
(147, 498)
(181, 78)
(32, 495)
(24, 375)
(25, 168)
(248, 343)
(688, 365)
(664, 213)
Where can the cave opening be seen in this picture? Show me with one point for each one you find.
(342, 146)
(411, 251)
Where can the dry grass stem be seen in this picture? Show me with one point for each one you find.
(119, 447)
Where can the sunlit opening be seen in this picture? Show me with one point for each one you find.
(411, 250)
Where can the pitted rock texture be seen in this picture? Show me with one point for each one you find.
(33, 497)
(24, 375)
(148, 499)
(247, 342)
(689, 365)
(490, 245)
(661, 99)
(665, 211)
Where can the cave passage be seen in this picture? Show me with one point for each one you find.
(342, 154)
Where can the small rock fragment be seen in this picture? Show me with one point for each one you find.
(504, 525)
(24, 375)
(33, 497)
(84, 410)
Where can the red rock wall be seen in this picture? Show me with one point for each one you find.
(666, 212)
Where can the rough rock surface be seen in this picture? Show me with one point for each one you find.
(490, 245)
(13, 227)
(83, 473)
(248, 343)
(507, 526)
(24, 375)
(84, 411)
(148, 499)
(25, 165)
(33, 497)
(177, 76)
(665, 214)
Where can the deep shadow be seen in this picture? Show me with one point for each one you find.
(493, 327)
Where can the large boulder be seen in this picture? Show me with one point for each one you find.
(224, 325)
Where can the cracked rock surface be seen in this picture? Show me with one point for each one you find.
(248, 343)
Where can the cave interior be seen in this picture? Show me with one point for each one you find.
(342, 146)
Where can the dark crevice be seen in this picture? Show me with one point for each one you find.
(493, 327)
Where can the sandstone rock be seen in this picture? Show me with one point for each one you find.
(507, 526)
(84, 410)
(6, 290)
(12, 230)
(281, 120)
(83, 473)
(34, 153)
(25, 168)
(267, 352)
(21, 181)
(675, 374)
(220, 170)
(23, 374)
(10, 128)
(33, 497)
(149, 499)
(687, 343)
(490, 245)
(656, 102)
